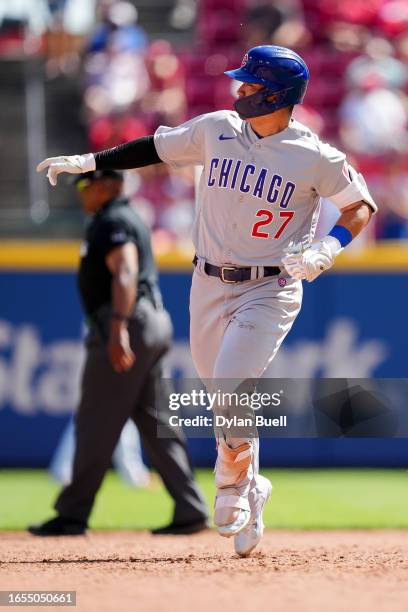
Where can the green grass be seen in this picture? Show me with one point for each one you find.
(302, 499)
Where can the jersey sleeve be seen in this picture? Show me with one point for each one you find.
(337, 181)
(183, 145)
(114, 233)
(331, 175)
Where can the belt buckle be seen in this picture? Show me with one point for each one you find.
(224, 280)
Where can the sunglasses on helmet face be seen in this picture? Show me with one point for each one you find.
(82, 184)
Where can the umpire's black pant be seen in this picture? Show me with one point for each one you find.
(109, 398)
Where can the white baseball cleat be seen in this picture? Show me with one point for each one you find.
(248, 538)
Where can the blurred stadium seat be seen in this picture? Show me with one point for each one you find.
(180, 72)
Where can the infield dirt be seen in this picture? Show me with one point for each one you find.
(292, 572)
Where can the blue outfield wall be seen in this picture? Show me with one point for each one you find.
(351, 325)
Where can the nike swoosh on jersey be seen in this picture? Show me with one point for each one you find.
(222, 137)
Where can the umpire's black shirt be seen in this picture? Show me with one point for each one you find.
(114, 224)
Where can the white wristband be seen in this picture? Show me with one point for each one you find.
(333, 244)
(88, 162)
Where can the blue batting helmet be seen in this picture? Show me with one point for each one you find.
(283, 73)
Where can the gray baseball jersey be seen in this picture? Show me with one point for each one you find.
(256, 196)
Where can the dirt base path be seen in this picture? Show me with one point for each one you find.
(292, 572)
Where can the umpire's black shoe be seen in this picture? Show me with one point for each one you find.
(59, 526)
(181, 528)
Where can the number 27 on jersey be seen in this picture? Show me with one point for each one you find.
(266, 217)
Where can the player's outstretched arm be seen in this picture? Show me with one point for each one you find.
(306, 263)
(133, 154)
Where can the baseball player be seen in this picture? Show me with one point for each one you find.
(258, 204)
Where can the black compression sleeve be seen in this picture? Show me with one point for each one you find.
(133, 154)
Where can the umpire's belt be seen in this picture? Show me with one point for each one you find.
(230, 274)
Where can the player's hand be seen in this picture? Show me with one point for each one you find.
(120, 354)
(293, 261)
(73, 164)
(307, 263)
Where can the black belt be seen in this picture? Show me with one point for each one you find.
(230, 274)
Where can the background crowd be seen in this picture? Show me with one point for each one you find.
(132, 81)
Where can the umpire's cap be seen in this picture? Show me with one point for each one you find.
(95, 175)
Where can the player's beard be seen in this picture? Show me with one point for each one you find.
(258, 105)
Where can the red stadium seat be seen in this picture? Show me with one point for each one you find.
(209, 6)
(325, 93)
(222, 27)
(200, 91)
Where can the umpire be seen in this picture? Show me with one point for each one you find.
(129, 332)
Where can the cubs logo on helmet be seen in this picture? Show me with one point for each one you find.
(244, 60)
